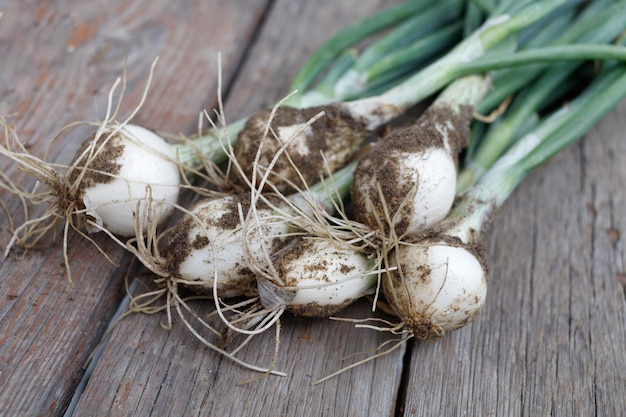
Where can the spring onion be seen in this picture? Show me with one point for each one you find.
(439, 283)
(406, 182)
(112, 207)
(318, 277)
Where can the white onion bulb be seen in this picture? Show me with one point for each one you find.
(319, 277)
(213, 247)
(137, 158)
(406, 182)
(439, 286)
(426, 179)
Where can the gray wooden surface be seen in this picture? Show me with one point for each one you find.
(550, 340)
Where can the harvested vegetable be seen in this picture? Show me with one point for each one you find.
(447, 289)
(116, 173)
(287, 253)
(324, 146)
(114, 212)
(439, 284)
(318, 277)
(121, 172)
(406, 182)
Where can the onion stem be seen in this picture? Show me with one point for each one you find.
(559, 31)
(350, 36)
(495, 30)
(545, 55)
(540, 93)
(553, 134)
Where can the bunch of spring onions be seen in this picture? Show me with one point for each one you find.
(277, 243)
(317, 271)
(405, 184)
(434, 276)
(125, 171)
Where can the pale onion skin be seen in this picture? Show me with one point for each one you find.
(316, 148)
(429, 177)
(214, 248)
(442, 286)
(322, 277)
(147, 159)
(406, 182)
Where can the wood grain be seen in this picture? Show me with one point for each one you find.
(179, 375)
(550, 340)
(59, 61)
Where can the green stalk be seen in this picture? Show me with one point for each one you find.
(546, 54)
(558, 32)
(510, 6)
(540, 93)
(350, 36)
(211, 145)
(383, 74)
(336, 188)
(508, 81)
(556, 132)
(404, 59)
(340, 66)
(594, 107)
(403, 48)
(444, 70)
(486, 6)
(414, 28)
(474, 17)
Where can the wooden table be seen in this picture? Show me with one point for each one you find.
(550, 341)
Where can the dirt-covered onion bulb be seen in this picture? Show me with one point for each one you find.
(207, 244)
(317, 278)
(121, 171)
(406, 182)
(315, 148)
(439, 285)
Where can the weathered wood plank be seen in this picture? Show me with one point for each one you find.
(550, 339)
(146, 370)
(295, 30)
(150, 371)
(549, 342)
(58, 61)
